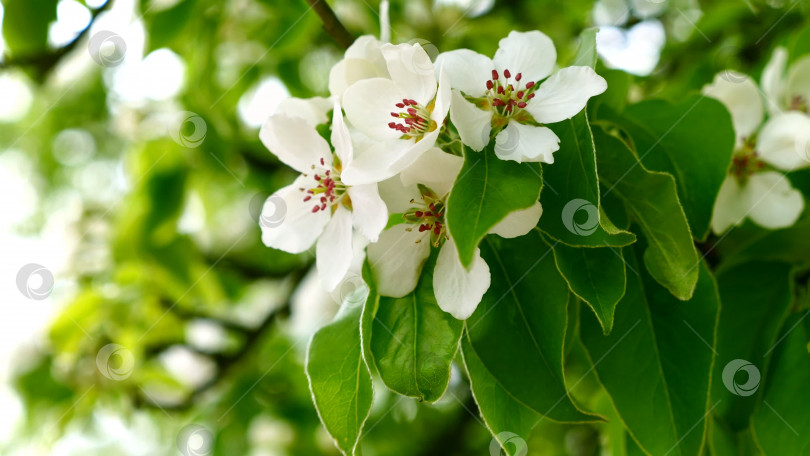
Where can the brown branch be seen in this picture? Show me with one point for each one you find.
(331, 23)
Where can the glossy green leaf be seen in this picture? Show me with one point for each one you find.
(518, 329)
(756, 297)
(367, 316)
(595, 275)
(693, 140)
(486, 190)
(652, 201)
(504, 416)
(656, 364)
(790, 244)
(414, 341)
(339, 380)
(571, 201)
(781, 424)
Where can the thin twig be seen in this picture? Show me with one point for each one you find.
(331, 23)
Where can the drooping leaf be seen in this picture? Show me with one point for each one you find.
(756, 297)
(505, 417)
(781, 424)
(486, 190)
(656, 364)
(595, 275)
(339, 380)
(518, 329)
(652, 201)
(571, 202)
(414, 341)
(691, 139)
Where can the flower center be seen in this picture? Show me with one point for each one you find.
(799, 103)
(508, 98)
(327, 189)
(414, 119)
(745, 162)
(428, 214)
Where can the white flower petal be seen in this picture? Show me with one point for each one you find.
(334, 249)
(411, 69)
(731, 206)
(313, 110)
(565, 94)
(396, 260)
(530, 53)
(372, 160)
(435, 168)
(341, 140)
(798, 80)
(473, 124)
(366, 47)
(295, 142)
(519, 222)
(457, 290)
(526, 143)
(773, 203)
(468, 70)
(741, 98)
(412, 152)
(348, 71)
(397, 196)
(784, 141)
(369, 213)
(442, 101)
(369, 104)
(773, 80)
(288, 223)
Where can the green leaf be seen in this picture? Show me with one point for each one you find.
(25, 25)
(652, 201)
(518, 329)
(572, 190)
(656, 364)
(756, 297)
(586, 54)
(504, 416)
(692, 139)
(414, 341)
(781, 424)
(339, 380)
(367, 316)
(790, 244)
(597, 276)
(486, 190)
(165, 26)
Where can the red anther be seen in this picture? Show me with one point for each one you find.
(530, 84)
(510, 87)
(418, 213)
(317, 177)
(519, 75)
(500, 89)
(507, 74)
(307, 198)
(323, 207)
(322, 162)
(327, 172)
(331, 198)
(489, 85)
(413, 102)
(316, 209)
(323, 199)
(531, 95)
(432, 207)
(392, 125)
(400, 105)
(395, 114)
(511, 102)
(439, 225)
(520, 94)
(422, 228)
(412, 111)
(522, 104)
(428, 214)
(498, 102)
(437, 230)
(494, 74)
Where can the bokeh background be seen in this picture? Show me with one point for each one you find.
(154, 321)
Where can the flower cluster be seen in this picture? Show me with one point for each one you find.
(379, 186)
(756, 186)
